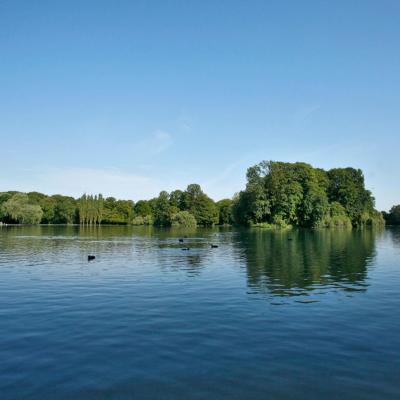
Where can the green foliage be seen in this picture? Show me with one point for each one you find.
(144, 213)
(91, 209)
(289, 192)
(48, 206)
(117, 211)
(163, 211)
(200, 206)
(186, 208)
(4, 196)
(337, 217)
(65, 210)
(279, 193)
(19, 208)
(346, 186)
(393, 217)
(139, 220)
(372, 218)
(225, 211)
(177, 199)
(143, 208)
(277, 223)
(46, 203)
(184, 219)
(256, 202)
(242, 209)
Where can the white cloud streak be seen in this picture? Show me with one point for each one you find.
(158, 142)
(75, 181)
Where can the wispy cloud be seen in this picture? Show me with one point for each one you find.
(184, 123)
(158, 142)
(228, 180)
(74, 181)
(305, 112)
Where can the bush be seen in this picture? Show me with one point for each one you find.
(278, 223)
(337, 217)
(140, 220)
(184, 219)
(373, 218)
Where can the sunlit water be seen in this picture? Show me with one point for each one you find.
(266, 315)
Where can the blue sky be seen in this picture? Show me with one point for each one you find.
(131, 97)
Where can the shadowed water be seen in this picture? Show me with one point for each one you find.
(266, 315)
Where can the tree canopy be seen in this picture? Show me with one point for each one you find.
(19, 208)
(277, 194)
(189, 208)
(393, 217)
(297, 194)
(91, 209)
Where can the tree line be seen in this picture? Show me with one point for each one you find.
(277, 194)
(393, 216)
(187, 208)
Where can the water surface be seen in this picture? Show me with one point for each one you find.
(266, 315)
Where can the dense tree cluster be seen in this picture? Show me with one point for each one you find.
(19, 208)
(393, 216)
(277, 194)
(282, 194)
(34, 207)
(187, 208)
(91, 209)
(119, 212)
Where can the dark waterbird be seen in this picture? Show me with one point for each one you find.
(90, 258)
(185, 248)
(214, 246)
(180, 240)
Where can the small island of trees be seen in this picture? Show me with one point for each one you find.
(277, 195)
(283, 194)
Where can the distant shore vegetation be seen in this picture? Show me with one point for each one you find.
(393, 216)
(277, 195)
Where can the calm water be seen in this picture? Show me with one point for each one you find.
(266, 315)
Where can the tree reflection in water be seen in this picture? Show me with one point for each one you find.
(293, 263)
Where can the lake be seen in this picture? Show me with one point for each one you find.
(266, 315)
